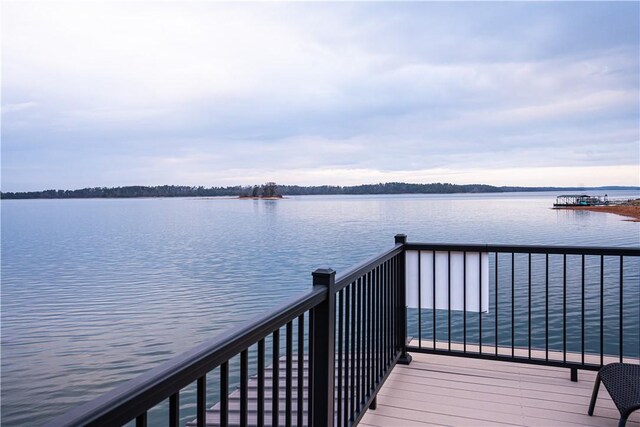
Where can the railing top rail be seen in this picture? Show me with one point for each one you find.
(533, 249)
(354, 273)
(128, 400)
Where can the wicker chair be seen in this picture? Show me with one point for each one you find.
(622, 381)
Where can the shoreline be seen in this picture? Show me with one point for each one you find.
(630, 212)
(393, 188)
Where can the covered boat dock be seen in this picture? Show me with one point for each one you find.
(565, 200)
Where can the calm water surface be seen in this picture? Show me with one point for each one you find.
(95, 292)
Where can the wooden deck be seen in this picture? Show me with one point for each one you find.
(456, 391)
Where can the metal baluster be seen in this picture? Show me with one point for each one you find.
(564, 308)
(347, 334)
(339, 354)
(380, 322)
(513, 303)
(368, 338)
(582, 316)
(387, 319)
(376, 310)
(480, 302)
(621, 307)
(496, 302)
(310, 370)
(364, 341)
(376, 328)
(601, 310)
(174, 410)
(383, 317)
(359, 344)
(419, 299)
(546, 305)
(464, 301)
(529, 311)
(224, 394)
(449, 297)
(434, 299)
(141, 420)
(289, 374)
(260, 413)
(354, 314)
(202, 401)
(300, 402)
(393, 307)
(244, 387)
(275, 382)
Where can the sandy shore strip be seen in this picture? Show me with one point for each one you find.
(630, 211)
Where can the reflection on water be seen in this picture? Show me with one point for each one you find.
(95, 292)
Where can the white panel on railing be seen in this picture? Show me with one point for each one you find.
(473, 287)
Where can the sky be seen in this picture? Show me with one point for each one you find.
(215, 94)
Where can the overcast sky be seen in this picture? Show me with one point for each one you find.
(120, 93)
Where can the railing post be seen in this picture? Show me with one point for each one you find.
(401, 308)
(323, 356)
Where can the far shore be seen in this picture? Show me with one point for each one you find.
(629, 211)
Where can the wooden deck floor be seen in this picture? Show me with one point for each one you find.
(456, 391)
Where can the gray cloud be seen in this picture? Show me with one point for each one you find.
(209, 93)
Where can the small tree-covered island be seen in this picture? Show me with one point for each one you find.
(266, 191)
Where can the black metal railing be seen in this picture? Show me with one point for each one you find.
(370, 334)
(573, 307)
(321, 358)
(341, 341)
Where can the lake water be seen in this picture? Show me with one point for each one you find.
(95, 292)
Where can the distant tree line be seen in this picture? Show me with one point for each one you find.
(270, 190)
(389, 188)
(130, 191)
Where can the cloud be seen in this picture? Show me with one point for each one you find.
(191, 93)
(10, 108)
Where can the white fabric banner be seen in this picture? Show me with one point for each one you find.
(475, 287)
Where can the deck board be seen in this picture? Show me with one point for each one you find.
(448, 390)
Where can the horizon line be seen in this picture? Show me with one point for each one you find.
(630, 187)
